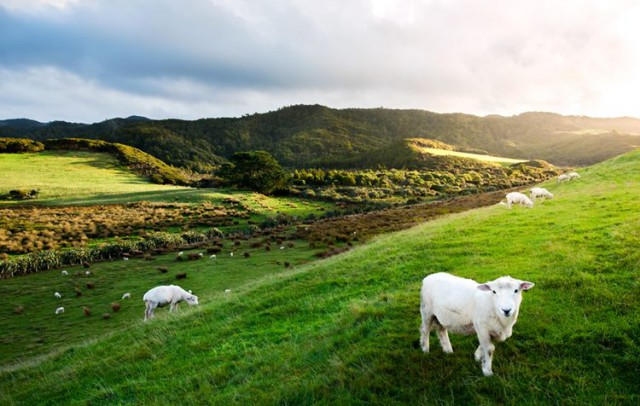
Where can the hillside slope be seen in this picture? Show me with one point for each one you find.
(342, 331)
(317, 136)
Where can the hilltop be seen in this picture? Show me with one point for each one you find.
(342, 330)
(304, 136)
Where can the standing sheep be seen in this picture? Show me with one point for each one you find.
(160, 296)
(573, 175)
(463, 306)
(519, 198)
(540, 192)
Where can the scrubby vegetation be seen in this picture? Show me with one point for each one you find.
(396, 185)
(19, 145)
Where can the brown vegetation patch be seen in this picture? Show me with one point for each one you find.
(30, 229)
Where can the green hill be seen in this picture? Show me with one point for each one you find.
(343, 330)
(306, 136)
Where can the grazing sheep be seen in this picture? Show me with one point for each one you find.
(519, 198)
(231, 254)
(227, 291)
(126, 258)
(65, 273)
(563, 178)
(160, 296)
(87, 273)
(57, 295)
(213, 256)
(60, 310)
(540, 192)
(573, 175)
(463, 306)
(126, 296)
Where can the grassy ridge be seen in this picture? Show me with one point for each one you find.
(94, 175)
(342, 331)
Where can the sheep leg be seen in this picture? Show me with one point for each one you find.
(148, 311)
(443, 335)
(425, 327)
(484, 353)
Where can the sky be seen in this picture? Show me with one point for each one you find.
(91, 60)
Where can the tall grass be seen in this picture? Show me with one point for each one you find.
(343, 330)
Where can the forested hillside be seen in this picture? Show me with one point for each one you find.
(317, 136)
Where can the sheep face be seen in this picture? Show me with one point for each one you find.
(192, 300)
(506, 295)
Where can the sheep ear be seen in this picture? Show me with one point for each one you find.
(524, 285)
(484, 287)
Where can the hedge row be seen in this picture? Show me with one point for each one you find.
(46, 260)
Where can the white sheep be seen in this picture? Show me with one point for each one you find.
(160, 296)
(573, 175)
(65, 273)
(563, 178)
(519, 198)
(212, 256)
(126, 296)
(60, 310)
(125, 258)
(463, 306)
(540, 192)
(227, 291)
(57, 295)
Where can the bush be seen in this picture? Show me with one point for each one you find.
(20, 145)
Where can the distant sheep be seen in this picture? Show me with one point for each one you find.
(518, 198)
(573, 175)
(463, 306)
(60, 310)
(65, 273)
(126, 296)
(543, 193)
(563, 178)
(160, 296)
(57, 295)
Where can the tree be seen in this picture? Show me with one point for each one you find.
(256, 170)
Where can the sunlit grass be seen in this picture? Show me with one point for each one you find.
(479, 157)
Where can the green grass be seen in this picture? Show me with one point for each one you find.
(343, 330)
(478, 157)
(76, 178)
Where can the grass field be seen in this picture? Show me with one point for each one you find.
(344, 330)
(479, 157)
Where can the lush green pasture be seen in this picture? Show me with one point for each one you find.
(344, 330)
(479, 157)
(74, 177)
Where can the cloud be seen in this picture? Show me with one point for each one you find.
(231, 57)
